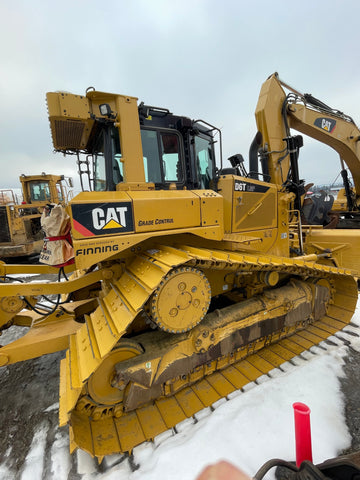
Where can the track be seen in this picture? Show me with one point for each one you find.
(105, 429)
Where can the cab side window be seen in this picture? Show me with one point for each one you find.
(204, 161)
(171, 157)
(59, 193)
(162, 158)
(151, 156)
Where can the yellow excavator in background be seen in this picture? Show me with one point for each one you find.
(21, 234)
(277, 112)
(189, 279)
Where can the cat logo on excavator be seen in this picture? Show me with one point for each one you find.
(327, 124)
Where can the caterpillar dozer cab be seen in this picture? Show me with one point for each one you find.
(277, 113)
(189, 279)
(21, 234)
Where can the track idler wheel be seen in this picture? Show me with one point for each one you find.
(181, 300)
(99, 384)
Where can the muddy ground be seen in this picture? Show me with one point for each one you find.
(351, 390)
(28, 397)
(29, 401)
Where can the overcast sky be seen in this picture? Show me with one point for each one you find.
(200, 58)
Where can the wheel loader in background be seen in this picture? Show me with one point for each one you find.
(189, 279)
(21, 234)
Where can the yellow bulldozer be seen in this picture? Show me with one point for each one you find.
(21, 234)
(190, 278)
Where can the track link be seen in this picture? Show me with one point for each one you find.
(102, 430)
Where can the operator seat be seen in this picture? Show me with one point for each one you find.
(316, 209)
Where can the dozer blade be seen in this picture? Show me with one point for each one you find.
(129, 391)
(48, 336)
(107, 324)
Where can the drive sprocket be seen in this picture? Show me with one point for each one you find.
(181, 300)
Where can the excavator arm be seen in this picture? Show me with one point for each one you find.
(277, 112)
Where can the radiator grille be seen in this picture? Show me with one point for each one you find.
(67, 134)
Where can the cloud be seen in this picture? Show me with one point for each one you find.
(198, 58)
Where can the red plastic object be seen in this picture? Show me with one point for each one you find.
(302, 433)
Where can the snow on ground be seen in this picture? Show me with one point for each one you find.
(253, 426)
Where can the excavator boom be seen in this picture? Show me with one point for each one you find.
(277, 112)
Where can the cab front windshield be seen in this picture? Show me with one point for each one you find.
(39, 191)
(108, 145)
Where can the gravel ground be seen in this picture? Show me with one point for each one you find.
(351, 389)
(28, 397)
